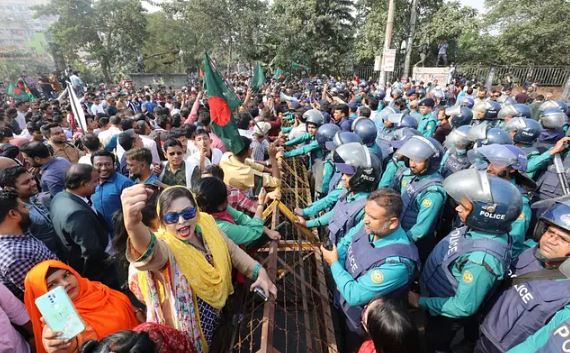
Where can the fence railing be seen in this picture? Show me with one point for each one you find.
(542, 75)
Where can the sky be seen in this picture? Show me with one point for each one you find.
(477, 4)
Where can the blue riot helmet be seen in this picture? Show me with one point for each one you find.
(495, 202)
(558, 215)
(400, 136)
(366, 129)
(341, 138)
(380, 94)
(506, 100)
(486, 110)
(507, 111)
(468, 102)
(553, 118)
(326, 133)
(384, 113)
(523, 110)
(564, 106)
(552, 104)
(401, 120)
(459, 115)
(314, 116)
(499, 155)
(524, 130)
(419, 148)
(457, 139)
(483, 135)
(355, 159)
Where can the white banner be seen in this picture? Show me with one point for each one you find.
(430, 74)
(78, 112)
(389, 60)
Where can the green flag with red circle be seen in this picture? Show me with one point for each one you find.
(222, 102)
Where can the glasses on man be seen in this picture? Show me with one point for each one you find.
(173, 217)
(176, 153)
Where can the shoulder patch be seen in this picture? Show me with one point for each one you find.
(377, 276)
(467, 277)
(426, 203)
(521, 217)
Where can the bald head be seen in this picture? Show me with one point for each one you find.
(6, 162)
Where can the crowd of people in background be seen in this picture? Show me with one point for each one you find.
(434, 199)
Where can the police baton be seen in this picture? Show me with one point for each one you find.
(561, 173)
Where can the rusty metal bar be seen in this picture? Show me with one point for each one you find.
(331, 340)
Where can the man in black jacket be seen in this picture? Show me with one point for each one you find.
(81, 229)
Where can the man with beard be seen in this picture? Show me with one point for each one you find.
(20, 181)
(81, 228)
(19, 250)
(58, 142)
(52, 169)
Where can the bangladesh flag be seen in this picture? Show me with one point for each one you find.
(19, 91)
(258, 79)
(222, 101)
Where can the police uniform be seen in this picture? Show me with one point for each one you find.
(554, 337)
(523, 308)
(389, 173)
(311, 147)
(368, 269)
(520, 226)
(347, 212)
(460, 273)
(427, 124)
(453, 162)
(549, 183)
(324, 203)
(423, 197)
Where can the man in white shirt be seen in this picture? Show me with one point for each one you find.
(22, 108)
(142, 128)
(106, 135)
(98, 106)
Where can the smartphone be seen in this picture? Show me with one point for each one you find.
(260, 293)
(60, 314)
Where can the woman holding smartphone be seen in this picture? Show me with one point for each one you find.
(103, 310)
(184, 270)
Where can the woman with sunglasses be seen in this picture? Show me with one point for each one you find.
(184, 270)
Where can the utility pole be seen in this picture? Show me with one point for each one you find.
(413, 20)
(387, 41)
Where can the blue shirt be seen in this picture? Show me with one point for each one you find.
(107, 197)
(148, 106)
(53, 175)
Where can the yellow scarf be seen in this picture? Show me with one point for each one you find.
(213, 284)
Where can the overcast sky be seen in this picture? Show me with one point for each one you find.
(477, 4)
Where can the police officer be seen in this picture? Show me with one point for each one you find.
(457, 145)
(398, 138)
(420, 184)
(537, 287)
(336, 184)
(366, 130)
(525, 132)
(325, 134)
(360, 172)
(428, 121)
(553, 121)
(375, 259)
(486, 111)
(465, 267)
(459, 115)
(482, 134)
(509, 162)
(313, 120)
(549, 182)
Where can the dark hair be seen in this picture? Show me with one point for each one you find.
(126, 139)
(246, 143)
(169, 195)
(343, 108)
(8, 201)
(103, 153)
(243, 121)
(126, 124)
(103, 121)
(189, 131)
(121, 342)
(201, 131)
(211, 193)
(389, 200)
(204, 117)
(91, 142)
(215, 170)
(163, 121)
(46, 129)
(35, 149)
(372, 103)
(392, 329)
(184, 112)
(6, 132)
(78, 174)
(140, 154)
(115, 120)
(365, 111)
(9, 175)
(175, 133)
(171, 143)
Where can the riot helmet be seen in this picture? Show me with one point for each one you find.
(483, 135)
(314, 116)
(419, 148)
(366, 130)
(495, 202)
(524, 130)
(552, 104)
(468, 102)
(557, 214)
(553, 118)
(401, 120)
(340, 138)
(457, 139)
(355, 159)
(486, 110)
(326, 133)
(499, 155)
(506, 100)
(523, 110)
(459, 115)
(387, 111)
(400, 136)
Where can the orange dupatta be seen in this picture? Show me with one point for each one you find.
(105, 310)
